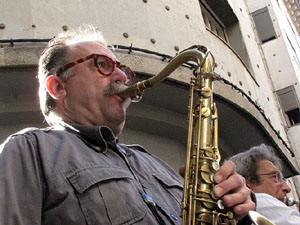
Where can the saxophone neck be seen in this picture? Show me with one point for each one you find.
(196, 54)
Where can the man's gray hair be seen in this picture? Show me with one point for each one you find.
(55, 55)
(247, 162)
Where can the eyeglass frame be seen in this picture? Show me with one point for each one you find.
(279, 177)
(95, 56)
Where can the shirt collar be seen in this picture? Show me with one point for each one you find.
(98, 137)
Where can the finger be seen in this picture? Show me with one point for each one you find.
(239, 197)
(182, 171)
(233, 183)
(243, 209)
(227, 169)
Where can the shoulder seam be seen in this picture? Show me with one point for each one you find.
(33, 140)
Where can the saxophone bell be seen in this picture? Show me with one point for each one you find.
(258, 219)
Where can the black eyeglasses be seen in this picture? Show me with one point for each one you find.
(277, 175)
(104, 65)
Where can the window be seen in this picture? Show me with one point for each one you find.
(219, 18)
(264, 25)
(294, 116)
(290, 104)
(212, 22)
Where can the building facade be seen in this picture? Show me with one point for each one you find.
(260, 72)
(277, 27)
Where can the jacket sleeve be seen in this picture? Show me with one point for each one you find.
(20, 182)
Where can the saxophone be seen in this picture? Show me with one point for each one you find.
(291, 201)
(199, 206)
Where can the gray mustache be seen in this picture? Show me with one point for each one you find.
(114, 88)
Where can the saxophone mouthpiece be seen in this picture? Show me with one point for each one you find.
(132, 92)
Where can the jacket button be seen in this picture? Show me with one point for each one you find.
(174, 217)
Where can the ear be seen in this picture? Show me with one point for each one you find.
(55, 87)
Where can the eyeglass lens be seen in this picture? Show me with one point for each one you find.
(279, 177)
(106, 66)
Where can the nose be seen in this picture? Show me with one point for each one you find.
(285, 187)
(118, 75)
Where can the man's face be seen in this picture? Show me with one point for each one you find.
(268, 183)
(86, 102)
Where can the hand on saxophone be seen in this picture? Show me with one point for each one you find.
(231, 188)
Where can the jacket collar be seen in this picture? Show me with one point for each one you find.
(97, 137)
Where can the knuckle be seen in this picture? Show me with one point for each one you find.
(232, 164)
(243, 181)
(240, 181)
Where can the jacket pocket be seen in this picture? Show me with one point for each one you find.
(107, 195)
(171, 189)
(172, 186)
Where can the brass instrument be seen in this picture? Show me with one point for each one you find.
(291, 201)
(199, 206)
(258, 219)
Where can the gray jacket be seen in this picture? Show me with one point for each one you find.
(81, 175)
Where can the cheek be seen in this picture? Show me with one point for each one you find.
(278, 188)
(94, 86)
(275, 189)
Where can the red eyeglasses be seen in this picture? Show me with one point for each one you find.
(104, 65)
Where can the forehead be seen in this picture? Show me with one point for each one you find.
(83, 49)
(265, 166)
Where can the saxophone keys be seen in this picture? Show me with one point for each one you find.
(220, 204)
(206, 92)
(213, 196)
(205, 112)
(212, 177)
(205, 218)
(206, 172)
(230, 215)
(215, 165)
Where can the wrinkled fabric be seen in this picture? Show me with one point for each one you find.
(79, 175)
(82, 176)
(276, 211)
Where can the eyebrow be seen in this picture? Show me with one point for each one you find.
(270, 172)
(274, 172)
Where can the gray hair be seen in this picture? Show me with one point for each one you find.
(247, 162)
(55, 55)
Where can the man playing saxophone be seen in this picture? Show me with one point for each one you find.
(75, 171)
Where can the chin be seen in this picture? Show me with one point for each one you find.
(281, 199)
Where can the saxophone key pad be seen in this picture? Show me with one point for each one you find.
(220, 204)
